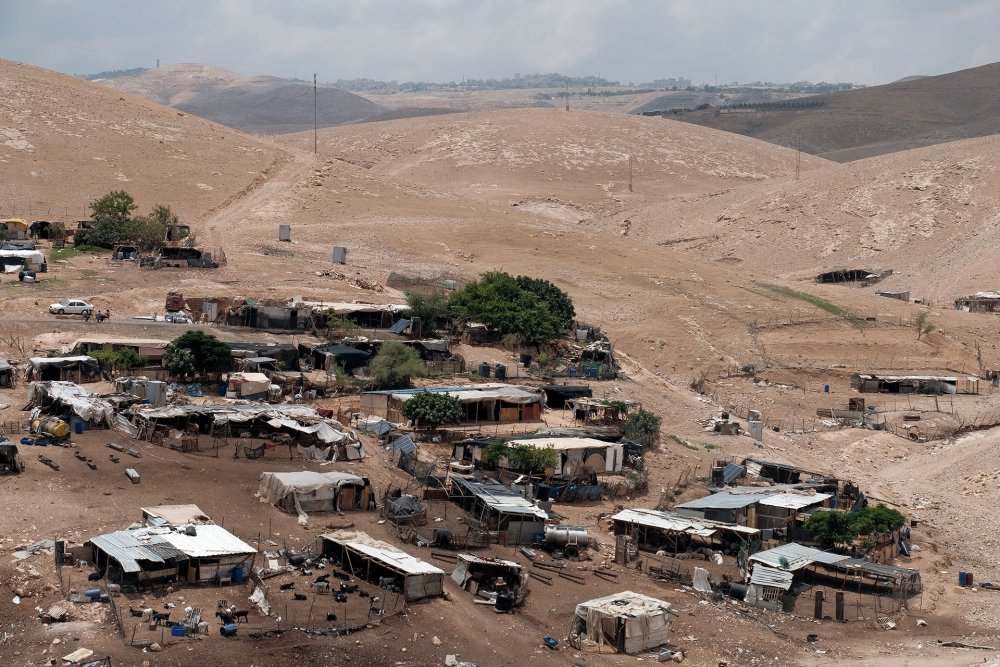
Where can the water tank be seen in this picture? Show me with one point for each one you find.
(339, 255)
(484, 370)
(563, 535)
(284, 232)
(156, 392)
(500, 372)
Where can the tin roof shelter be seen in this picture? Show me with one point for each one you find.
(506, 516)
(308, 491)
(378, 562)
(502, 403)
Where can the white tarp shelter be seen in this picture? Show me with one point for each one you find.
(308, 491)
(73, 397)
(627, 622)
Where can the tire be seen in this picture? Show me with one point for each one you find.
(61, 311)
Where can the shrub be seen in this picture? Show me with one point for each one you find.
(209, 354)
(395, 366)
(432, 409)
(642, 427)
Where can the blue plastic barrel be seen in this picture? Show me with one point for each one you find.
(826, 389)
(238, 575)
(222, 388)
(78, 426)
(963, 579)
(228, 630)
(177, 631)
(96, 592)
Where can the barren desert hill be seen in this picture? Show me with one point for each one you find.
(865, 122)
(569, 165)
(65, 141)
(259, 105)
(930, 214)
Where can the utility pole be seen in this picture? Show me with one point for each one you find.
(630, 173)
(567, 94)
(798, 163)
(315, 117)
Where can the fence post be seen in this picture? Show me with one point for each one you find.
(818, 609)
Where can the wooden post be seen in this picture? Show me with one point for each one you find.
(840, 606)
(818, 609)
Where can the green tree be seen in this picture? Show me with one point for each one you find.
(521, 458)
(210, 355)
(923, 326)
(395, 366)
(535, 310)
(338, 326)
(430, 308)
(148, 231)
(112, 216)
(432, 409)
(642, 427)
(839, 529)
(118, 361)
(179, 361)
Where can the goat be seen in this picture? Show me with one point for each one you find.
(242, 613)
(225, 617)
(363, 594)
(331, 617)
(159, 618)
(341, 575)
(339, 597)
(299, 596)
(322, 579)
(287, 587)
(95, 576)
(344, 588)
(135, 613)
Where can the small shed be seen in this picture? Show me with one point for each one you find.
(6, 374)
(381, 563)
(626, 622)
(174, 515)
(490, 575)
(79, 368)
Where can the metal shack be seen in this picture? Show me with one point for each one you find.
(381, 563)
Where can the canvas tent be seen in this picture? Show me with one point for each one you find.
(378, 562)
(627, 622)
(308, 491)
(65, 398)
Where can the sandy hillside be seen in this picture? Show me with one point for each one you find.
(929, 214)
(912, 112)
(570, 166)
(260, 104)
(64, 142)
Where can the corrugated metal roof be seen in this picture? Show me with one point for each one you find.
(794, 501)
(721, 501)
(901, 378)
(160, 544)
(677, 523)
(796, 556)
(860, 565)
(383, 552)
(500, 498)
(768, 576)
(566, 443)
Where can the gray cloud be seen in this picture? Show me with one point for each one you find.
(865, 41)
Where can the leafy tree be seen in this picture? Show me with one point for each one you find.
(147, 231)
(395, 366)
(642, 426)
(124, 359)
(922, 325)
(837, 529)
(338, 326)
(432, 409)
(524, 458)
(4, 233)
(430, 308)
(112, 216)
(179, 361)
(210, 355)
(535, 310)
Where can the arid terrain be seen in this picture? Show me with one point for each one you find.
(691, 272)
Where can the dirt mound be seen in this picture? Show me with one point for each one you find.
(65, 142)
(260, 105)
(909, 113)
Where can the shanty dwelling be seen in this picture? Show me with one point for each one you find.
(152, 349)
(17, 228)
(308, 491)
(491, 575)
(150, 555)
(602, 411)
(504, 516)
(383, 564)
(333, 356)
(577, 456)
(625, 622)
(6, 374)
(365, 315)
(765, 510)
(174, 515)
(248, 386)
(905, 384)
(654, 530)
(284, 354)
(980, 302)
(489, 403)
(79, 368)
(69, 401)
(776, 573)
(558, 395)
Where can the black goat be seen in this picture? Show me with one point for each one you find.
(363, 594)
(339, 597)
(331, 617)
(225, 617)
(344, 588)
(287, 587)
(95, 576)
(242, 613)
(159, 618)
(322, 579)
(341, 575)
(298, 596)
(135, 613)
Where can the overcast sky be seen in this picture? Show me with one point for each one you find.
(862, 41)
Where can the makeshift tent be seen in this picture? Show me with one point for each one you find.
(248, 385)
(6, 374)
(329, 357)
(307, 491)
(480, 402)
(378, 562)
(151, 348)
(580, 455)
(62, 398)
(490, 575)
(627, 622)
(556, 395)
